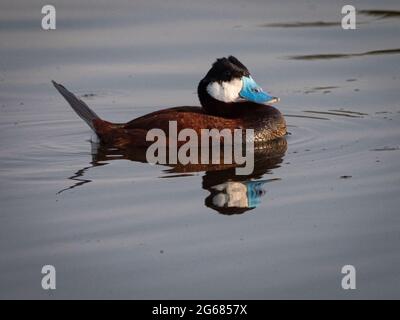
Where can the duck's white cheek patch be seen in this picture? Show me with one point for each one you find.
(225, 91)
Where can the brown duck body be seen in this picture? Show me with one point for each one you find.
(267, 122)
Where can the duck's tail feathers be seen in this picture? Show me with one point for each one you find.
(80, 107)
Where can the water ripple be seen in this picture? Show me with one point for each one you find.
(327, 56)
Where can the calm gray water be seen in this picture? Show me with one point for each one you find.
(115, 227)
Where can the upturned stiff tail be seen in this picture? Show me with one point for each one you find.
(78, 105)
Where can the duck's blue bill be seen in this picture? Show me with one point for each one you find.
(251, 91)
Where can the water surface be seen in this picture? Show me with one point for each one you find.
(116, 227)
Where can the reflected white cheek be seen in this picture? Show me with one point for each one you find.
(225, 91)
(232, 194)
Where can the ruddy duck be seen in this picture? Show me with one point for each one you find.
(229, 97)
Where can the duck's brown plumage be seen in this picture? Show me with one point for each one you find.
(134, 132)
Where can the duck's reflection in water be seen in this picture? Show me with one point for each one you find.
(229, 193)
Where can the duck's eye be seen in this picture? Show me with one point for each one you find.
(256, 90)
